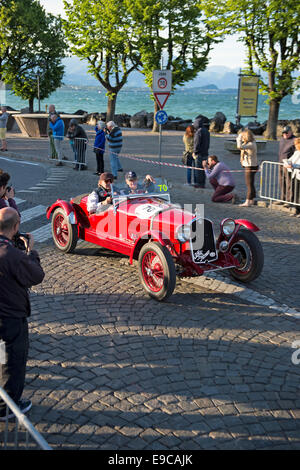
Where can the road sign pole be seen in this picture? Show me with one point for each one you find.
(161, 88)
(159, 154)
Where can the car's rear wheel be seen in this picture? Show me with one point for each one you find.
(157, 270)
(247, 249)
(64, 233)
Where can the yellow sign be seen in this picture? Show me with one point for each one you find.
(248, 96)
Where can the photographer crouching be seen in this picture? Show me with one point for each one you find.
(20, 269)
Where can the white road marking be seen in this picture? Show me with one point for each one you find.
(19, 201)
(11, 160)
(33, 212)
(42, 234)
(219, 283)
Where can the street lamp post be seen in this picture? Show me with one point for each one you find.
(38, 89)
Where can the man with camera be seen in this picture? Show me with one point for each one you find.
(20, 269)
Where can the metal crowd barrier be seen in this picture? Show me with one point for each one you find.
(279, 184)
(58, 148)
(20, 420)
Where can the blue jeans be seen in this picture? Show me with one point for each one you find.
(200, 176)
(115, 164)
(190, 162)
(74, 150)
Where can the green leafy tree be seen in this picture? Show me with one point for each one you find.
(100, 32)
(270, 31)
(172, 32)
(32, 42)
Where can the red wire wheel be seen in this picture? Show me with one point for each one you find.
(157, 270)
(63, 232)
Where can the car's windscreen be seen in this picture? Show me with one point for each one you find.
(138, 187)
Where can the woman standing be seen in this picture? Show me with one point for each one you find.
(247, 145)
(188, 160)
(99, 146)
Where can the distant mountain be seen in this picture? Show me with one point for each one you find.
(76, 73)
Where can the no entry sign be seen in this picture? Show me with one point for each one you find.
(161, 86)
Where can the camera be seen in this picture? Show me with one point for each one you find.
(19, 243)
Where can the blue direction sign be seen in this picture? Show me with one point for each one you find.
(161, 117)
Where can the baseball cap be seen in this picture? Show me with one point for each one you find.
(286, 129)
(106, 176)
(130, 175)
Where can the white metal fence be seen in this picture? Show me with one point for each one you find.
(280, 184)
(13, 432)
(68, 151)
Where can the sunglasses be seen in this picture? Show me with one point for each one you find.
(108, 181)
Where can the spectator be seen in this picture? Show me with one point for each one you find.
(286, 150)
(58, 130)
(201, 146)
(247, 145)
(3, 124)
(99, 146)
(7, 194)
(220, 178)
(188, 160)
(52, 151)
(19, 272)
(115, 141)
(292, 165)
(78, 141)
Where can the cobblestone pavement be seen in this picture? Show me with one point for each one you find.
(110, 368)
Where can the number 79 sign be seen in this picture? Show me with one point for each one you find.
(161, 86)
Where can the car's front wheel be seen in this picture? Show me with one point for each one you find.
(247, 249)
(157, 270)
(64, 233)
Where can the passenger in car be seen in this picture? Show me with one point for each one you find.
(135, 187)
(100, 198)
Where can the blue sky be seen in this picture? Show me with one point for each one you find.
(229, 54)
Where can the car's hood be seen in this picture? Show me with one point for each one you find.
(156, 208)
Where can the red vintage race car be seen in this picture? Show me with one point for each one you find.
(166, 240)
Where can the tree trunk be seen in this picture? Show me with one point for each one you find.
(271, 131)
(111, 108)
(155, 127)
(30, 104)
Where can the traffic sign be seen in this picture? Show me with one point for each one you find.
(161, 117)
(162, 81)
(161, 98)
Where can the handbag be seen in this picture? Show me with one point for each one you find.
(186, 157)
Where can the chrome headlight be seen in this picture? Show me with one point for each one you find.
(184, 233)
(228, 227)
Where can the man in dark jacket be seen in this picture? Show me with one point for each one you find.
(19, 271)
(286, 150)
(201, 147)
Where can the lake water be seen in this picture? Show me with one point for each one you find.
(183, 104)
